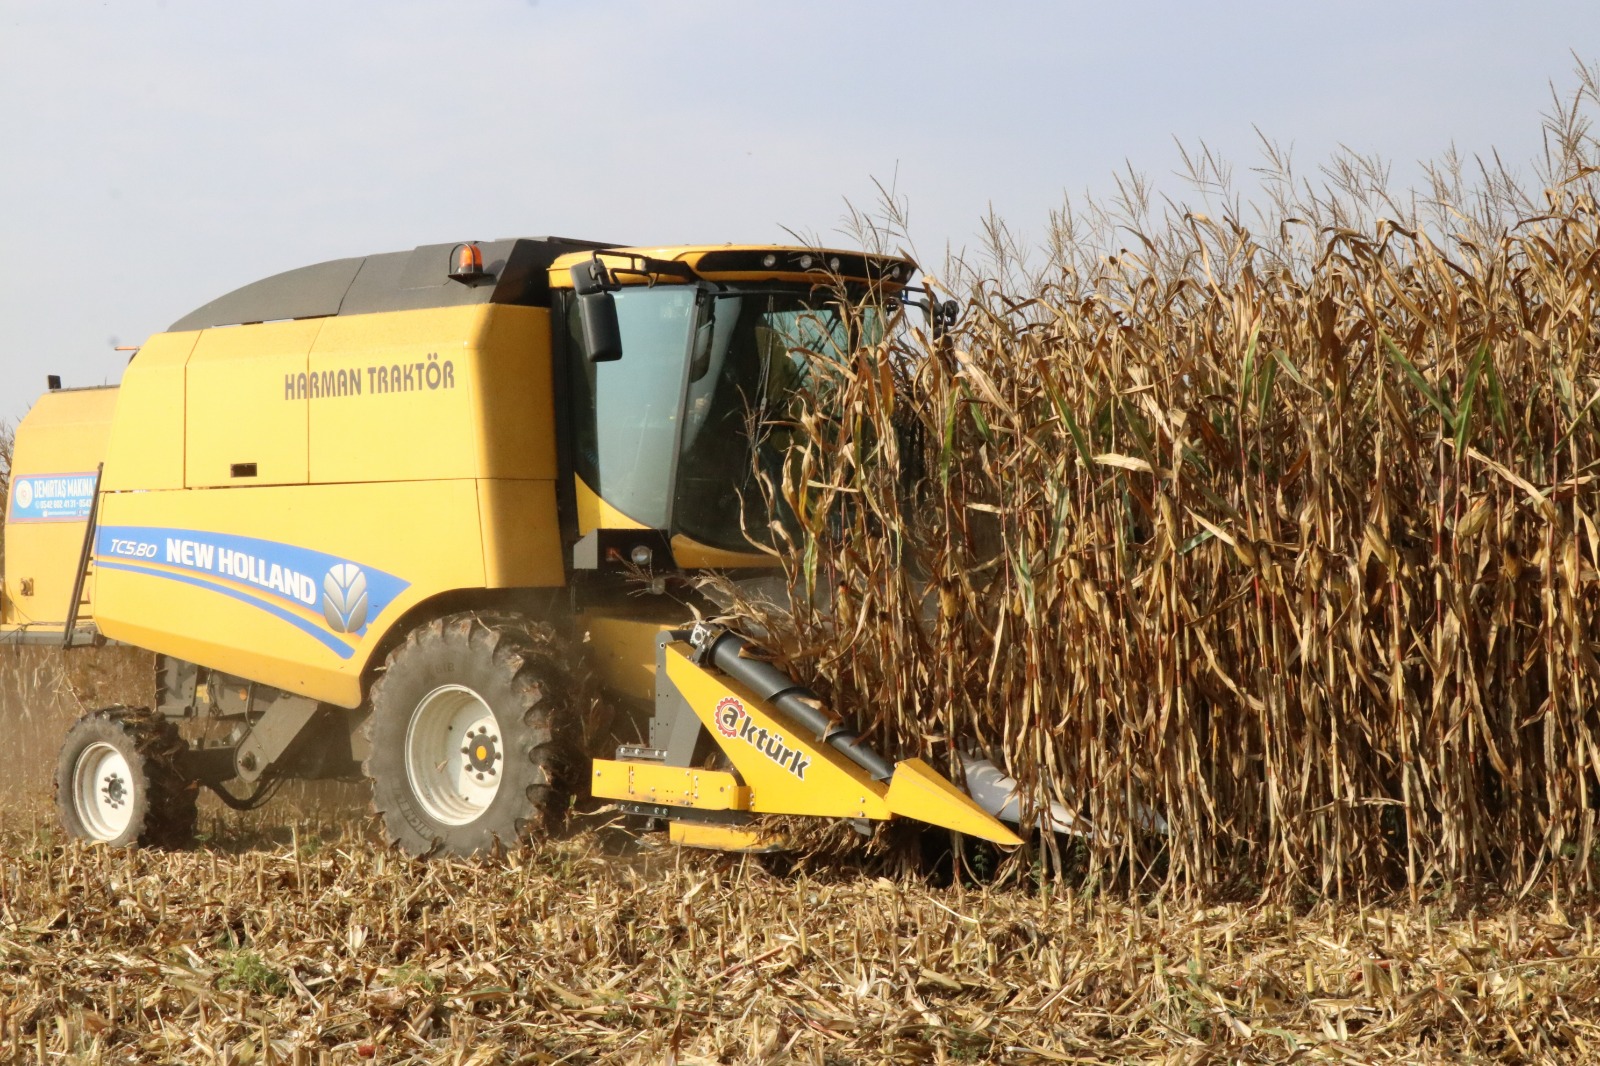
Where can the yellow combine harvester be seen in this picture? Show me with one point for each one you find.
(389, 515)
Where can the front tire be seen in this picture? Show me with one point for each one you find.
(117, 781)
(473, 735)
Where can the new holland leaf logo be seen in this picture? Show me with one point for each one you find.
(344, 598)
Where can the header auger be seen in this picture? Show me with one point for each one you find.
(387, 516)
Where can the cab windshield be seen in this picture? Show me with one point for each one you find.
(701, 400)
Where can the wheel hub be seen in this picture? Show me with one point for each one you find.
(482, 751)
(102, 791)
(453, 754)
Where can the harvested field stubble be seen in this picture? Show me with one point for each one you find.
(43, 690)
(342, 952)
(1284, 531)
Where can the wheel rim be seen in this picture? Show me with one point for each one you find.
(454, 757)
(102, 788)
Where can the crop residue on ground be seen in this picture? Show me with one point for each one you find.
(316, 951)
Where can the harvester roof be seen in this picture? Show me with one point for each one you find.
(514, 271)
(758, 262)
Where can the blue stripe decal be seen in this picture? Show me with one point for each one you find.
(339, 648)
(289, 582)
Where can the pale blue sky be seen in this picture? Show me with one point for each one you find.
(155, 155)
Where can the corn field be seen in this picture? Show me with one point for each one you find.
(1263, 538)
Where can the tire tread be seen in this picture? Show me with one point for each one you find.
(169, 812)
(550, 687)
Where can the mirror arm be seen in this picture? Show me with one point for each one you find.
(593, 275)
(942, 314)
(593, 282)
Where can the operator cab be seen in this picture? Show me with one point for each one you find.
(683, 371)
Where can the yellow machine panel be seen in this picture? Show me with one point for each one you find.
(520, 534)
(595, 513)
(145, 451)
(807, 266)
(691, 554)
(58, 451)
(289, 585)
(721, 837)
(261, 440)
(623, 653)
(395, 396)
(516, 424)
(397, 420)
(787, 773)
(675, 786)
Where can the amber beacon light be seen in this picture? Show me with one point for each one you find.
(466, 262)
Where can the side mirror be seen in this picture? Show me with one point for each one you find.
(602, 336)
(597, 313)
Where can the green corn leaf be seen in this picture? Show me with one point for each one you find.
(1497, 400)
(1247, 373)
(1420, 383)
(1071, 424)
(977, 416)
(949, 444)
(1269, 375)
(1281, 358)
(1469, 392)
(1576, 422)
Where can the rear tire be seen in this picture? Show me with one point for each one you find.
(117, 781)
(473, 735)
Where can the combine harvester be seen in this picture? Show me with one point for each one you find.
(385, 515)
